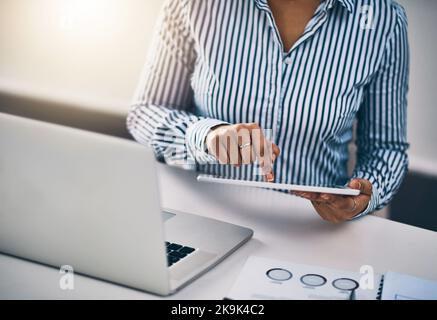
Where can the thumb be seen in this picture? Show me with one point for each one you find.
(276, 150)
(365, 186)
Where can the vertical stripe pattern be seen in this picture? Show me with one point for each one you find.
(222, 61)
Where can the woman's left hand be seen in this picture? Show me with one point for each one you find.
(338, 208)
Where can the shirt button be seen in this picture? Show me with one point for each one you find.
(288, 60)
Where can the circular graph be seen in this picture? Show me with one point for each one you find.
(313, 280)
(345, 284)
(279, 274)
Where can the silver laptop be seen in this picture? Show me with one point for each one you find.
(90, 201)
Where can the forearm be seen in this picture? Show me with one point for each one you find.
(161, 115)
(382, 120)
(177, 137)
(385, 168)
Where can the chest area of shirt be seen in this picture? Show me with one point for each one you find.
(242, 72)
(236, 39)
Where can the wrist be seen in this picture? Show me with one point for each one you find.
(212, 131)
(371, 205)
(196, 137)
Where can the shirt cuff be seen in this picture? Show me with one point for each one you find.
(373, 204)
(196, 139)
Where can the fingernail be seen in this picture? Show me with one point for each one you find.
(326, 197)
(270, 177)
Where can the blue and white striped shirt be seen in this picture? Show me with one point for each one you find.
(223, 61)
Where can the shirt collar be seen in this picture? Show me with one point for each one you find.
(348, 4)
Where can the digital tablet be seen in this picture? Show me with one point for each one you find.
(279, 186)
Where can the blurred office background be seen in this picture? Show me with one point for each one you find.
(77, 62)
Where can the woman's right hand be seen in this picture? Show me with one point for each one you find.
(243, 143)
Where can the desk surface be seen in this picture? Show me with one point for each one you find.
(286, 228)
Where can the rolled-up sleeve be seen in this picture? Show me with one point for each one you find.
(161, 114)
(382, 121)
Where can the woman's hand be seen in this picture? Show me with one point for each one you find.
(337, 208)
(243, 143)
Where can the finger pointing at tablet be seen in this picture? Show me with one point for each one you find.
(243, 143)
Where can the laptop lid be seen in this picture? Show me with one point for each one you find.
(77, 198)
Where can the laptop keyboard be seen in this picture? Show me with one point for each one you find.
(177, 252)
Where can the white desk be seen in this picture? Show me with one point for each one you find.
(285, 228)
